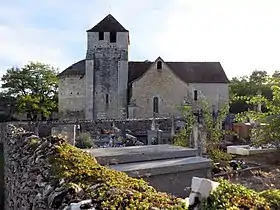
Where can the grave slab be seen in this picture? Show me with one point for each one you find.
(119, 155)
(173, 176)
(167, 168)
(158, 167)
(246, 150)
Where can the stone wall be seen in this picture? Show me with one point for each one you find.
(163, 84)
(46, 174)
(107, 65)
(137, 127)
(71, 100)
(171, 92)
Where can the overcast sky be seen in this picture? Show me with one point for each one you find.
(242, 35)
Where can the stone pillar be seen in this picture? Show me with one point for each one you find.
(172, 133)
(154, 134)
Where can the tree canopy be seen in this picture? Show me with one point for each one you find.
(34, 88)
(256, 83)
(267, 130)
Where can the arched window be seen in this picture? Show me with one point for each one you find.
(159, 65)
(155, 105)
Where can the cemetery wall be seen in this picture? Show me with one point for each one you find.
(138, 127)
(32, 181)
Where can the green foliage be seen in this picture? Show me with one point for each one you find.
(249, 86)
(218, 155)
(234, 197)
(268, 131)
(114, 189)
(84, 141)
(213, 129)
(181, 139)
(273, 197)
(35, 88)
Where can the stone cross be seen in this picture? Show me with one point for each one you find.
(197, 138)
(172, 134)
(153, 125)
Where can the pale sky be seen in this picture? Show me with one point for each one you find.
(241, 34)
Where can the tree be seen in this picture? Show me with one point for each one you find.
(7, 107)
(268, 131)
(256, 83)
(35, 88)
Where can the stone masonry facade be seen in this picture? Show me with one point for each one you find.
(106, 85)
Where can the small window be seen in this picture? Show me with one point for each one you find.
(155, 108)
(78, 93)
(101, 35)
(113, 37)
(71, 93)
(159, 65)
(195, 95)
(107, 99)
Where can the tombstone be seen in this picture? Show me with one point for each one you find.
(67, 132)
(2, 183)
(155, 135)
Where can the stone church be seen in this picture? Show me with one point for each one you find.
(106, 85)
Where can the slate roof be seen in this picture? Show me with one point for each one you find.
(77, 68)
(108, 24)
(189, 72)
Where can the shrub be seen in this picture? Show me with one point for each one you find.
(84, 141)
(180, 139)
(272, 196)
(233, 197)
(218, 155)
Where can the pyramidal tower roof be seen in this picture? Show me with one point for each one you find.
(108, 24)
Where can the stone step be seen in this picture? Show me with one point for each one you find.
(120, 155)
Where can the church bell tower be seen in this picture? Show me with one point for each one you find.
(107, 70)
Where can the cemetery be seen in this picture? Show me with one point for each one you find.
(250, 150)
(112, 167)
(100, 178)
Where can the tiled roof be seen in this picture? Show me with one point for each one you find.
(108, 24)
(189, 72)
